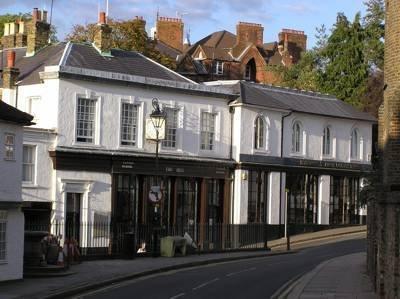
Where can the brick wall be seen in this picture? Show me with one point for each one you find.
(170, 32)
(249, 33)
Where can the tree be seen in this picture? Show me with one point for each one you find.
(374, 24)
(126, 35)
(346, 71)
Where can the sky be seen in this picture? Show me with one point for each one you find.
(201, 17)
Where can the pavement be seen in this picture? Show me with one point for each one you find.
(343, 277)
(95, 274)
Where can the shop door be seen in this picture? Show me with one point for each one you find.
(186, 206)
(73, 216)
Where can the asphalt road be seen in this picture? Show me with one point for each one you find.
(254, 278)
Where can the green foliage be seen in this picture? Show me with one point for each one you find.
(126, 35)
(347, 62)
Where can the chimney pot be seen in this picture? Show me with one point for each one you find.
(102, 18)
(44, 16)
(11, 59)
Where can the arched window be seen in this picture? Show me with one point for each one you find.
(355, 145)
(259, 133)
(327, 142)
(296, 138)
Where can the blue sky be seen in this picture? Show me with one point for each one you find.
(201, 16)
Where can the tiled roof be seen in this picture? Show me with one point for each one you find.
(86, 56)
(299, 101)
(10, 114)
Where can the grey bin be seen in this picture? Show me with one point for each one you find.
(173, 246)
(129, 245)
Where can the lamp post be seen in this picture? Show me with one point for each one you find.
(157, 118)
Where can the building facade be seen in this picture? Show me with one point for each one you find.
(299, 154)
(12, 157)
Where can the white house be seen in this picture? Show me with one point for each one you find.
(11, 217)
(310, 148)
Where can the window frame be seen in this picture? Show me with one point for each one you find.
(133, 143)
(355, 156)
(297, 143)
(219, 68)
(30, 103)
(327, 142)
(9, 147)
(32, 164)
(210, 135)
(259, 133)
(165, 143)
(247, 72)
(94, 137)
(3, 235)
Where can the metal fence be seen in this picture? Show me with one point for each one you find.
(105, 239)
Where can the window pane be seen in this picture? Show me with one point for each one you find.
(3, 235)
(9, 146)
(85, 120)
(207, 131)
(28, 163)
(170, 128)
(129, 113)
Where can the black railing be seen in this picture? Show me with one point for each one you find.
(105, 239)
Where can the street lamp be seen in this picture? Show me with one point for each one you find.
(157, 118)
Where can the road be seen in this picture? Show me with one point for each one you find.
(254, 278)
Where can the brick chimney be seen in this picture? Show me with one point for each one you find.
(140, 21)
(38, 32)
(10, 73)
(170, 32)
(102, 38)
(294, 41)
(249, 33)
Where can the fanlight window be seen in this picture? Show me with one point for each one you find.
(327, 142)
(355, 145)
(296, 138)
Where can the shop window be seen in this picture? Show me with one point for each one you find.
(124, 208)
(129, 121)
(214, 210)
(327, 142)
(171, 126)
(9, 147)
(257, 197)
(207, 124)
(259, 133)
(343, 202)
(28, 164)
(86, 120)
(3, 235)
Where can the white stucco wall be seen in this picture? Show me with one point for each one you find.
(108, 122)
(42, 189)
(240, 196)
(95, 189)
(274, 198)
(12, 268)
(10, 171)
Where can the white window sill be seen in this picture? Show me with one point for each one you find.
(29, 185)
(128, 147)
(329, 158)
(10, 160)
(352, 160)
(261, 151)
(297, 155)
(3, 262)
(86, 145)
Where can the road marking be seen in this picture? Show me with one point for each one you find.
(239, 272)
(205, 284)
(177, 296)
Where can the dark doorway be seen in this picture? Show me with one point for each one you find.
(250, 71)
(73, 216)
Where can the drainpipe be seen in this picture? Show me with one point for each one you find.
(231, 216)
(280, 174)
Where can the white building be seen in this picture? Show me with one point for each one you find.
(311, 147)
(223, 160)
(11, 217)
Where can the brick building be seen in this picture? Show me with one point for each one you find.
(223, 55)
(384, 209)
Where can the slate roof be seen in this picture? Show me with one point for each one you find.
(299, 101)
(86, 56)
(10, 114)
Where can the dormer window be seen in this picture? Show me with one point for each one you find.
(219, 68)
(247, 73)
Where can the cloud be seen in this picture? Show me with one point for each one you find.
(300, 8)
